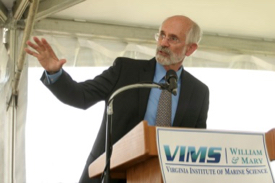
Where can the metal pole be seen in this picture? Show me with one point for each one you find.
(108, 142)
(27, 33)
(16, 79)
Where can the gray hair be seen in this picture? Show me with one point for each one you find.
(194, 34)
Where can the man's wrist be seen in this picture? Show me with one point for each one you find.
(52, 72)
(52, 78)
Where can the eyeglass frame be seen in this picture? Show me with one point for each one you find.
(160, 37)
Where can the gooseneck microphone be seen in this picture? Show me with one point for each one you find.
(171, 78)
(170, 85)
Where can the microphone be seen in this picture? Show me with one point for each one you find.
(171, 78)
(105, 177)
(170, 85)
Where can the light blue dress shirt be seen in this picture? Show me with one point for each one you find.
(53, 77)
(152, 105)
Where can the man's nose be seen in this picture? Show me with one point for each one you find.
(165, 42)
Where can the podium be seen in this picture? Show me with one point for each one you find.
(135, 156)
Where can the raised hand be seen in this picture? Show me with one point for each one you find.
(45, 55)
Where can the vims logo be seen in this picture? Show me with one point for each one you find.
(192, 154)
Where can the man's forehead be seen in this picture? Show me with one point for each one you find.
(174, 28)
(180, 22)
(174, 34)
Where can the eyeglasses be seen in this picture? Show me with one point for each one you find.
(170, 39)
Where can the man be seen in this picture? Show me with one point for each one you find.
(178, 37)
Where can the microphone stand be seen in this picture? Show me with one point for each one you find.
(105, 178)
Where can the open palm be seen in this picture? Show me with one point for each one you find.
(45, 55)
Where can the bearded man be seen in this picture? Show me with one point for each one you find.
(177, 38)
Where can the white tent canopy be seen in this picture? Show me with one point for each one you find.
(237, 35)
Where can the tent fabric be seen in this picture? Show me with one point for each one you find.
(12, 120)
(81, 51)
(5, 115)
(20, 123)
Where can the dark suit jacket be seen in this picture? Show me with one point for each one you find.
(130, 106)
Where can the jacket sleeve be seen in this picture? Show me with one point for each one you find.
(85, 94)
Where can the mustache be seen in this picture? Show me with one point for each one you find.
(163, 49)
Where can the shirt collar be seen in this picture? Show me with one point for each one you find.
(161, 72)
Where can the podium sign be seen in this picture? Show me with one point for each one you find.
(210, 156)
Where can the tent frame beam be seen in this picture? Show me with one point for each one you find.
(26, 36)
(50, 7)
(3, 13)
(241, 45)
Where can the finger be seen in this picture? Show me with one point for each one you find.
(39, 43)
(49, 48)
(28, 51)
(32, 45)
(37, 40)
(62, 61)
(46, 44)
(36, 55)
(31, 52)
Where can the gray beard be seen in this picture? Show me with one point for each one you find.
(166, 61)
(171, 59)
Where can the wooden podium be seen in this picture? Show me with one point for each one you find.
(135, 156)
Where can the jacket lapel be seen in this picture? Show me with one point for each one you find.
(184, 99)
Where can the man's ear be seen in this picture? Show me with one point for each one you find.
(191, 48)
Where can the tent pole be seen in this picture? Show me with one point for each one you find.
(17, 75)
(27, 33)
